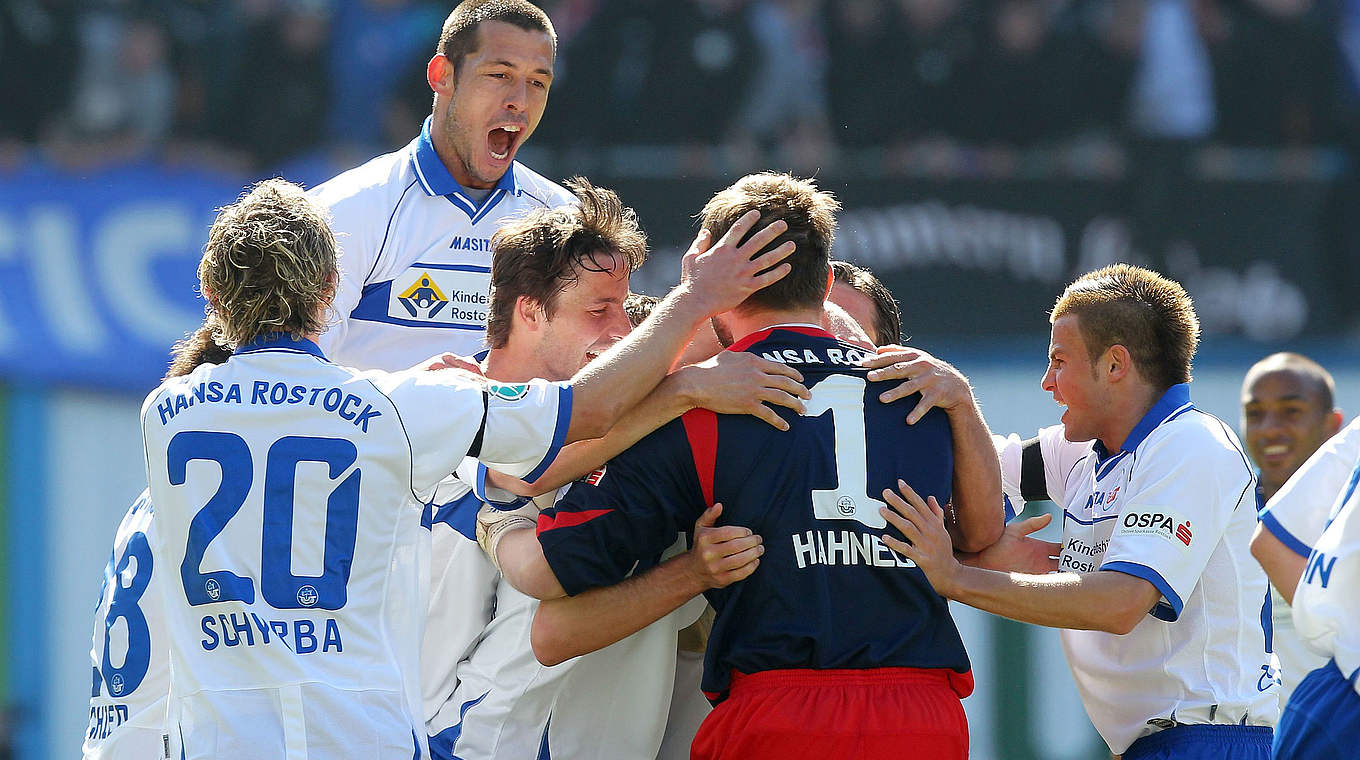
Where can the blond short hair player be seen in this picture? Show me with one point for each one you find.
(1160, 600)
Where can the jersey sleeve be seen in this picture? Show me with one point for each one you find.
(1326, 615)
(628, 511)
(1297, 513)
(1036, 469)
(1181, 494)
(447, 416)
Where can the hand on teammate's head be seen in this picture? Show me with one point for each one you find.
(721, 274)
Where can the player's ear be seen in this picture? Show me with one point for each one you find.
(1117, 362)
(528, 313)
(830, 280)
(1334, 420)
(439, 74)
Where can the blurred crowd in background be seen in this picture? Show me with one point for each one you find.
(250, 84)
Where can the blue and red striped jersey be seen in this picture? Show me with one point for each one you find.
(828, 592)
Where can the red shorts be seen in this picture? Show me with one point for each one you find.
(888, 713)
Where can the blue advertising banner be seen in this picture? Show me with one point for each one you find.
(97, 270)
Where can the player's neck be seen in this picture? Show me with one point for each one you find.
(510, 366)
(745, 322)
(1127, 409)
(448, 156)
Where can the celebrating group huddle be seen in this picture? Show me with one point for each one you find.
(512, 529)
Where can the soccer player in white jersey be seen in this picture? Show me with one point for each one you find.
(415, 229)
(131, 672)
(1287, 413)
(289, 490)
(560, 282)
(1296, 515)
(1161, 603)
(415, 225)
(1322, 719)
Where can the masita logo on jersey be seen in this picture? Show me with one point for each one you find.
(442, 294)
(1164, 524)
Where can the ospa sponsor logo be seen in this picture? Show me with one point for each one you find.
(1162, 523)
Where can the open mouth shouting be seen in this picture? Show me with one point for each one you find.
(501, 141)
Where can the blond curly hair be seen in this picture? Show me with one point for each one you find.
(269, 265)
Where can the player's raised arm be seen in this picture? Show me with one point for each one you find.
(716, 276)
(729, 383)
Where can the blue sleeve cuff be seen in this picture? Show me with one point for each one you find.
(479, 490)
(1278, 531)
(559, 433)
(1169, 610)
(1008, 507)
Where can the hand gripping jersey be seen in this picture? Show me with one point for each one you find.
(826, 579)
(131, 672)
(1174, 507)
(415, 263)
(289, 495)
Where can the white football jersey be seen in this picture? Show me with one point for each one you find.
(462, 585)
(505, 705)
(1297, 512)
(1296, 515)
(131, 670)
(689, 707)
(616, 703)
(415, 261)
(1326, 610)
(289, 495)
(1175, 507)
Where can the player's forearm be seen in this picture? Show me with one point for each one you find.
(1283, 565)
(615, 382)
(666, 402)
(980, 516)
(573, 626)
(521, 561)
(1100, 601)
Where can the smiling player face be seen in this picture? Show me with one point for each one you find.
(1283, 423)
(495, 101)
(587, 319)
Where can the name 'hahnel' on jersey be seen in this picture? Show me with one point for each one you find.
(845, 548)
(345, 405)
